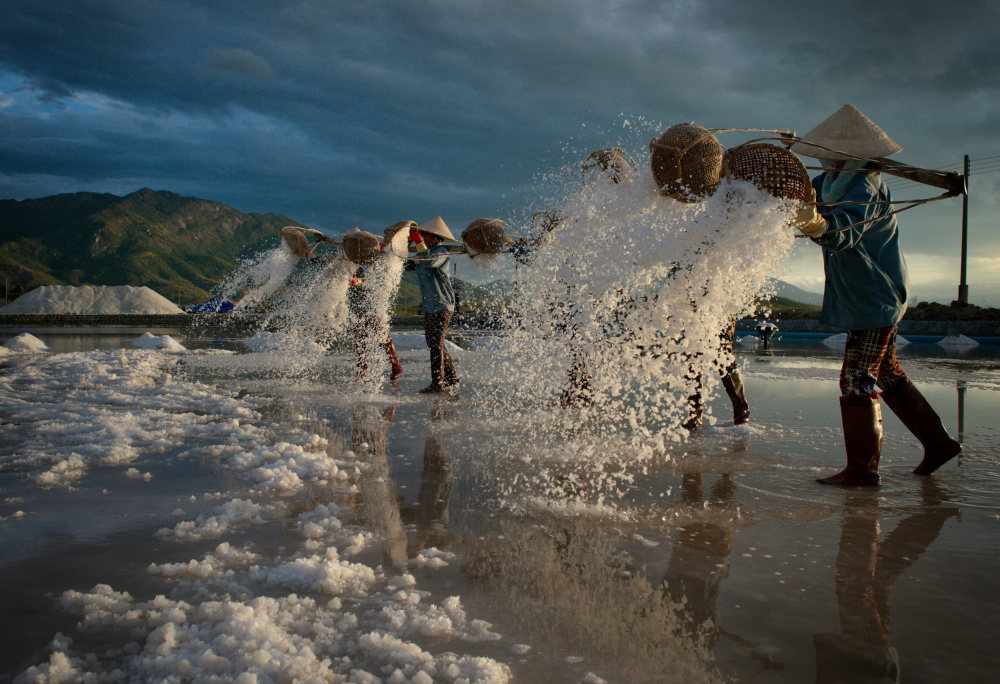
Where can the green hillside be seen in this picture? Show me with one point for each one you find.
(179, 246)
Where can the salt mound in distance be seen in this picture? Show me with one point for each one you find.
(26, 342)
(162, 342)
(91, 300)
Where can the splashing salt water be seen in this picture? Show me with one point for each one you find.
(634, 290)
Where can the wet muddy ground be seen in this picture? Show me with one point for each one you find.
(718, 560)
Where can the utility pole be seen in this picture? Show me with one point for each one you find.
(963, 287)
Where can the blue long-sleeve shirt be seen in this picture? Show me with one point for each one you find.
(436, 292)
(866, 280)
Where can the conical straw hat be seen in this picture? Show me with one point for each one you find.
(437, 227)
(847, 131)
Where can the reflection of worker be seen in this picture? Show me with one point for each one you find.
(437, 298)
(369, 439)
(862, 651)
(865, 293)
(700, 561)
(430, 514)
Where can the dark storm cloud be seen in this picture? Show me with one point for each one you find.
(342, 114)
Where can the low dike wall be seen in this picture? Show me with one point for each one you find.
(27, 321)
(477, 321)
(942, 328)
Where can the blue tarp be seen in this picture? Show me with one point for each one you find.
(213, 305)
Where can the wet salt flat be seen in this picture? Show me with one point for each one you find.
(254, 517)
(208, 509)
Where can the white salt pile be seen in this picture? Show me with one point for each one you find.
(838, 341)
(162, 342)
(958, 341)
(26, 342)
(91, 300)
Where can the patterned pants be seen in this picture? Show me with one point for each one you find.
(435, 327)
(869, 360)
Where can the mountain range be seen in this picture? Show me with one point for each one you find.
(182, 247)
(179, 246)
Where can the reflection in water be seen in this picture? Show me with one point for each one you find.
(430, 513)
(574, 585)
(960, 385)
(866, 570)
(700, 563)
(570, 586)
(379, 509)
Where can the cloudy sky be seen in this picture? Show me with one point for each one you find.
(341, 114)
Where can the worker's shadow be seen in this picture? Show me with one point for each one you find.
(867, 568)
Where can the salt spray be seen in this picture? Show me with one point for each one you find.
(632, 290)
(307, 299)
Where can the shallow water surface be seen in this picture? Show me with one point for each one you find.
(714, 559)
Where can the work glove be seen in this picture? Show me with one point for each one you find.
(807, 220)
(415, 236)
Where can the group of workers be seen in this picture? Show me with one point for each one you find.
(851, 218)
(437, 302)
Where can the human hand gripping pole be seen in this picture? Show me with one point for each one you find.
(417, 239)
(807, 220)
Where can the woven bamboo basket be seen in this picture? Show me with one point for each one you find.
(486, 236)
(772, 169)
(614, 161)
(296, 241)
(391, 231)
(361, 248)
(686, 161)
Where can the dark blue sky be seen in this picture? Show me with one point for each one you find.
(341, 114)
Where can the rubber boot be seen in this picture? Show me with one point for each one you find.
(397, 368)
(862, 419)
(437, 372)
(450, 376)
(919, 418)
(734, 388)
(695, 409)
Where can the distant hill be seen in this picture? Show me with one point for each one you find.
(179, 246)
(790, 293)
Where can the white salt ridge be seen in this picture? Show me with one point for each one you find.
(286, 467)
(162, 342)
(264, 640)
(134, 474)
(91, 300)
(228, 516)
(958, 341)
(250, 622)
(80, 410)
(26, 343)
